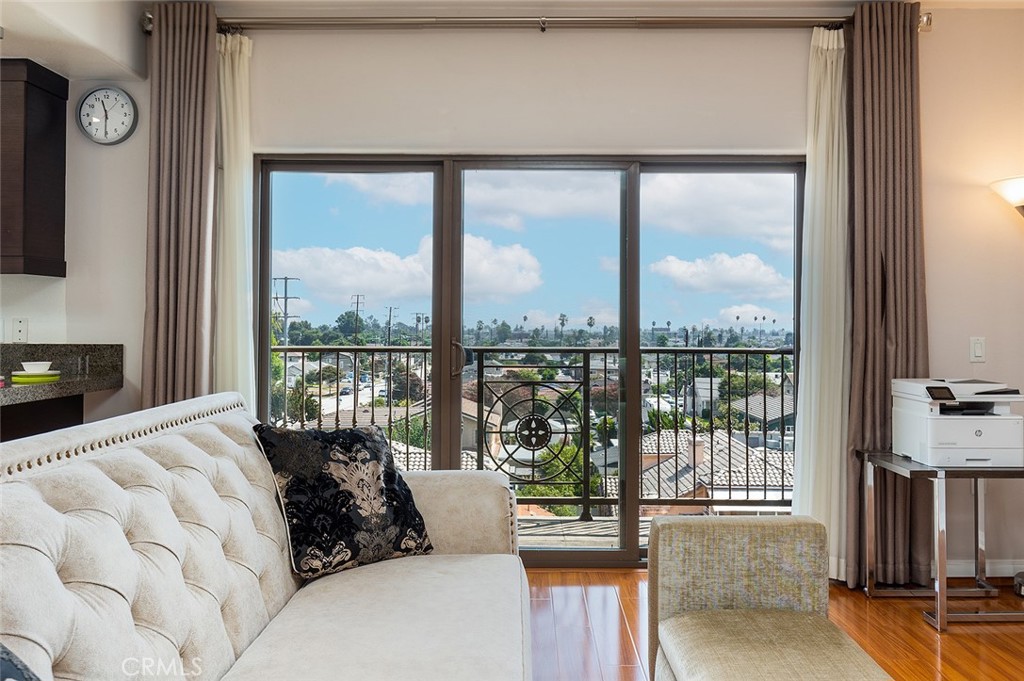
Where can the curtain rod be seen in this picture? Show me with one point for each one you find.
(541, 23)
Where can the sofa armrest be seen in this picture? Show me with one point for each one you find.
(735, 562)
(466, 511)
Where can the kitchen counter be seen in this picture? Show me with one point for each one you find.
(38, 407)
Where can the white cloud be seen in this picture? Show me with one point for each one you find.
(756, 206)
(333, 275)
(408, 189)
(504, 198)
(721, 273)
(497, 273)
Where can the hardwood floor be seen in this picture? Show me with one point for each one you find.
(591, 625)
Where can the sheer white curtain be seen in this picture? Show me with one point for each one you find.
(822, 402)
(234, 363)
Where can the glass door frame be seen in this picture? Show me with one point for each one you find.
(447, 315)
(627, 553)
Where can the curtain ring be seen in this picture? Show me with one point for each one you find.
(543, 21)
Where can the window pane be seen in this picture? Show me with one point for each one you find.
(716, 310)
(541, 310)
(352, 271)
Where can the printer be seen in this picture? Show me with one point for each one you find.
(957, 422)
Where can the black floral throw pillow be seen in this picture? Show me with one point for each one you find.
(345, 503)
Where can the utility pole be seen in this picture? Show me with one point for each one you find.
(286, 298)
(391, 309)
(357, 300)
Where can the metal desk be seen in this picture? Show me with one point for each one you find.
(908, 468)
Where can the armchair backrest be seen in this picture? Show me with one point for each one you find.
(735, 562)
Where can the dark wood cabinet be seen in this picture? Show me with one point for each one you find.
(33, 136)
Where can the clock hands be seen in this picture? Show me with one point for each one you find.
(106, 115)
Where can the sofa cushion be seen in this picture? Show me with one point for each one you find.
(444, 617)
(747, 645)
(345, 502)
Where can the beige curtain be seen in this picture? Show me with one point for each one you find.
(234, 366)
(822, 402)
(177, 340)
(889, 331)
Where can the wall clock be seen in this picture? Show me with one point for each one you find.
(107, 115)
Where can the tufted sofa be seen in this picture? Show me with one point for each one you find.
(152, 545)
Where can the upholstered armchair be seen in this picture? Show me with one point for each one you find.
(745, 598)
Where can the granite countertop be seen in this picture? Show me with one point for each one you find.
(84, 368)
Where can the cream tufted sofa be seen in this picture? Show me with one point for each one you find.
(152, 545)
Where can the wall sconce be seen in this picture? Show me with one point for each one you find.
(1011, 189)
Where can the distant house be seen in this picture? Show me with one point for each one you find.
(298, 366)
(767, 412)
(717, 466)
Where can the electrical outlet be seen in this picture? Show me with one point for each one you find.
(20, 334)
(977, 350)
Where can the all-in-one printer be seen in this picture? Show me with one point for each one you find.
(957, 422)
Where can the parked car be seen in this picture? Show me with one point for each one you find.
(346, 391)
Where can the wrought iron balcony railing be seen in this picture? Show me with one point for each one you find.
(717, 422)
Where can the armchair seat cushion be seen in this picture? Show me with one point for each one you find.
(748, 645)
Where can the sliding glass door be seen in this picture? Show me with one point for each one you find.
(541, 311)
(617, 336)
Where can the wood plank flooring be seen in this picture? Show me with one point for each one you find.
(591, 625)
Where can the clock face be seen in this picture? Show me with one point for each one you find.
(107, 115)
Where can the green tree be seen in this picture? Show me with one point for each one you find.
(301, 406)
(607, 429)
(405, 385)
(561, 480)
(412, 432)
(738, 385)
(503, 332)
(605, 400)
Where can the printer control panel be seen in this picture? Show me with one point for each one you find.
(940, 392)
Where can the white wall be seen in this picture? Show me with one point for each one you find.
(972, 128)
(105, 240)
(40, 300)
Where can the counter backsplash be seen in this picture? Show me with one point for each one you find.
(70, 359)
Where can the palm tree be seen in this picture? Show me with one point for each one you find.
(669, 325)
(590, 322)
(562, 319)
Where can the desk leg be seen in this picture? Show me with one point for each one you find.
(939, 618)
(979, 530)
(869, 523)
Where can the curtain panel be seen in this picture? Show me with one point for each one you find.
(234, 362)
(823, 398)
(889, 329)
(177, 337)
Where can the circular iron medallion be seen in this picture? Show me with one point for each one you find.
(533, 432)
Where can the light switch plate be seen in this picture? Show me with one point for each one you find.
(977, 349)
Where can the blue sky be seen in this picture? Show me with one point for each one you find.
(540, 243)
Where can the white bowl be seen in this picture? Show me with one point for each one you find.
(36, 367)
